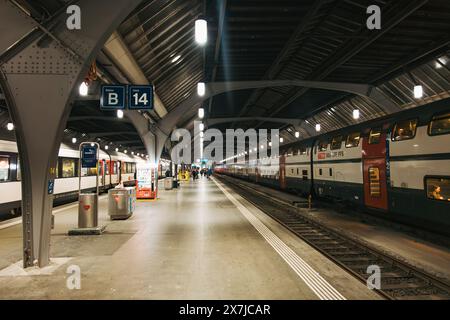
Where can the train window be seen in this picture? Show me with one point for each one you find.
(405, 130)
(323, 145)
(320, 172)
(374, 136)
(331, 172)
(106, 167)
(298, 171)
(68, 168)
(353, 140)
(302, 151)
(374, 182)
(336, 143)
(439, 125)
(438, 188)
(290, 152)
(4, 168)
(19, 172)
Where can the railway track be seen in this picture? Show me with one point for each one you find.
(399, 280)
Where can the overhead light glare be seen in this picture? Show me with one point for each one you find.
(120, 114)
(201, 89)
(83, 89)
(356, 114)
(418, 91)
(318, 127)
(201, 113)
(297, 134)
(201, 31)
(176, 58)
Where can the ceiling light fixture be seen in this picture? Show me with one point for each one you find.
(201, 31)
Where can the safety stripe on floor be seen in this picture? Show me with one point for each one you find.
(312, 278)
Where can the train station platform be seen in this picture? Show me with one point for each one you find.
(418, 248)
(201, 241)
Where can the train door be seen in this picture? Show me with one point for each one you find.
(282, 171)
(374, 170)
(101, 173)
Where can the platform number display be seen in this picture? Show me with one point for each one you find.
(89, 157)
(140, 97)
(113, 97)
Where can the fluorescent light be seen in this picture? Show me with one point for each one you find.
(176, 58)
(117, 149)
(125, 151)
(119, 114)
(106, 147)
(201, 134)
(418, 91)
(201, 126)
(132, 153)
(201, 89)
(10, 126)
(83, 90)
(201, 31)
(297, 134)
(201, 113)
(440, 61)
(270, 143)
(356, 114)
(281, 140)
(262, 146)
(92, 144)
(138, 154)
(74, 140)
(318, 127)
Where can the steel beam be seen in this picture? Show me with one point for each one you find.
(40, 77)
(148, 137)
(168, 123)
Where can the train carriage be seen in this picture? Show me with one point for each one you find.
(397, 166)
(113, 169)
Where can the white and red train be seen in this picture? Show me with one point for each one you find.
(114, 168)
(396, 166)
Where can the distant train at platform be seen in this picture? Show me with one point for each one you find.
(114, 169)
(397, 167)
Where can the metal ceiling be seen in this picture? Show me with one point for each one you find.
(279, 39)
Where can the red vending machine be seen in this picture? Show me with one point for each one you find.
(146, 182)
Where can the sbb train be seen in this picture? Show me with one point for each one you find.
(397, 166)
(113, 170)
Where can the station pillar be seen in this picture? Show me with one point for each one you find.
(41, 66)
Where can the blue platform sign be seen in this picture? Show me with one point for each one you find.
(89, 157)
(51, 186)
(113, 97)
(140, 97)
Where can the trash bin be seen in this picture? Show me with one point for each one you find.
(168, 184)
(175, 183)
(121, 202)
(88, 210)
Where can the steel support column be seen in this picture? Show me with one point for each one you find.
(41, 68)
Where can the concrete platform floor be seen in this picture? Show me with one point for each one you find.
(193, 243)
